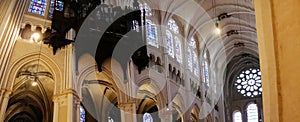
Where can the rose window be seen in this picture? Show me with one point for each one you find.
(248, 83)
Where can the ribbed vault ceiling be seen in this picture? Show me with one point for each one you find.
(198, 17)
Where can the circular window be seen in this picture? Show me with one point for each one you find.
(248, 83)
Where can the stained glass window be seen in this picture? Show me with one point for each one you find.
(110, 119)
(195, 64)
(147, 10)
(151, 33)
(192, 57)
(249, 83)
(206, 73)
(237, 116)
(82, 114)
(57, 5)
(173, 30)
(169, 42)
(192, 43)
(135, 25)
(173, 26)
(252, 113)
(205, 70)
(178, 49)
(189, 59)
(147, 117)
(38, 7)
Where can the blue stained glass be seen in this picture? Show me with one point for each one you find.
(135, 26)
(147, 117)
(151, 33)
(148, 27)
(169, 42)
(82, 114)
(147, 10)
(173, 26)
(57, 5)
(38, 7)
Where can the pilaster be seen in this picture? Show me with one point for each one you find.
(10, 24)
(66, 107)
(128, 112)
(165, 115)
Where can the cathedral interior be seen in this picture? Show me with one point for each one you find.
(149, 60)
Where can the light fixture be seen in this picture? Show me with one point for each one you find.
(34, 83)
(223, 16)
(35, 37)
(219, 18)
(217, 28)
(167, 107)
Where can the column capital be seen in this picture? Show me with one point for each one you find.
(165, 115)
(127, 107)
(128, 111)
(64, 96)
(6, 92)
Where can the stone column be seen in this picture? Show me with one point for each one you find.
(10, 21)
(278, 31)
(66, 107)
(6, 7)
(128, 112)
(77, 110)
(165, 115)
(11, 16)
(66, 100)
(187, 116)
